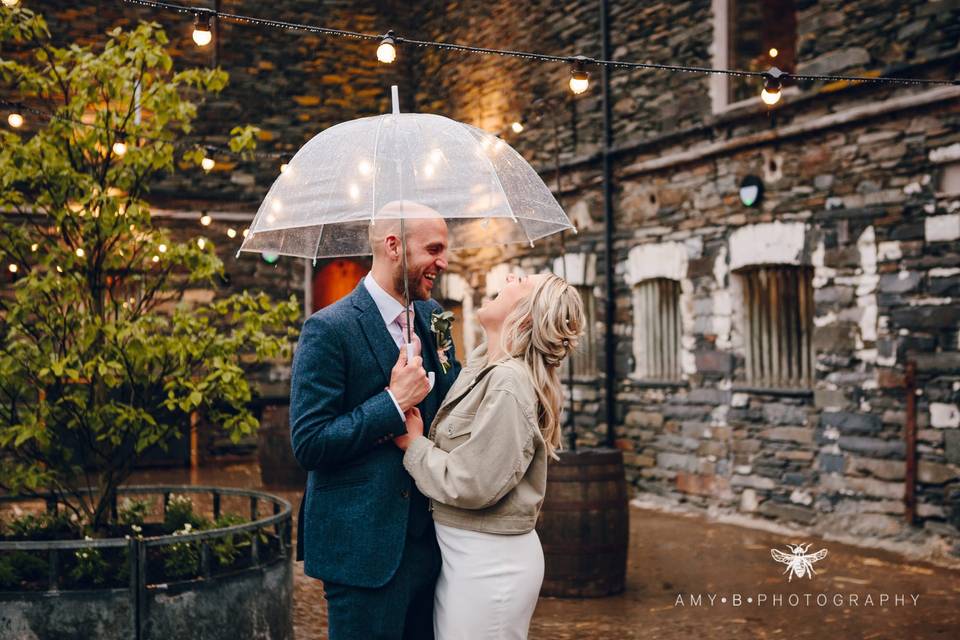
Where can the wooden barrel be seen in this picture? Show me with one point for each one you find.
(584, 525)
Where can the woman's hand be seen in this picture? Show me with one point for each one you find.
(414, 429)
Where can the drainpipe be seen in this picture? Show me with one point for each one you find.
(910, 435)
(611, 306)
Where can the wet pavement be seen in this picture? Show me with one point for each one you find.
(689, 577)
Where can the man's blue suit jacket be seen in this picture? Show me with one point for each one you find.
(354, 512)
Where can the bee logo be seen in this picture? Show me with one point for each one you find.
(799, 562)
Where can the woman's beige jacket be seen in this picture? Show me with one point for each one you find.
(484, 466)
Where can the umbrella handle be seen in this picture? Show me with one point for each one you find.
(430, 374)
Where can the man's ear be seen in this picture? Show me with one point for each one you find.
(392, 243)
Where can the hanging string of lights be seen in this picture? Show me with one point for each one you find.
(772, 79)
(16, 120)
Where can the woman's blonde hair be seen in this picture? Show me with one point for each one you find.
(542, 330)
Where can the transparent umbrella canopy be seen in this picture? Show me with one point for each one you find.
(336, 185)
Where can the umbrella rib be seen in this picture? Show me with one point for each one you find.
(499, 184)
(373, 190)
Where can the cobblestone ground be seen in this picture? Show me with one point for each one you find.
(676, 558)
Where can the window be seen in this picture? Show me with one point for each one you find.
(752, 35)
(657, 329)
(584, 359)
(950, 179)
(778, 315)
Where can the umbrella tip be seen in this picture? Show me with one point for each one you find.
(395, 96)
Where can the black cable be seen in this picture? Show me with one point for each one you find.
(449, 46)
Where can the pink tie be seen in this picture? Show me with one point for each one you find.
(401, 322)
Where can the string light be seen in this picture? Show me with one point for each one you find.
(156, 258)
(231, 233)
(80, 252)
(11, 3)
(162, 248)
(201, 27)
(774, 52)
(15, 120)
(13, 268)
(528, 55)
(517, 126)
(120, 146)
(201, 243)
(284, 167)
(387, 51)
(245, 232)
(59, 269)
(205, 220)
(771, 86)
(579, 77)
(208, 164)
(34, 247)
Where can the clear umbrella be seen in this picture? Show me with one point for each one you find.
(337, 184)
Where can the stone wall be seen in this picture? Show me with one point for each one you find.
(857, 167)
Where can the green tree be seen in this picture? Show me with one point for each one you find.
(100, 360)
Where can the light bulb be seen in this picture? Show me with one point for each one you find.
(11, 3)
(162, 248)
(156, 258)
(284, 167)
(207, 164)
(517, 127)
(231, 233)
(387, 51)
(770, 97)
(772, 83)
(34, 247)
(201, 243)
(15, 120)
(13, 268)
(579, 81)
(245, 232)
(80, 252)
(120, 148)
(59, 269)
(774, 52)
(201, 29)
(205, 220)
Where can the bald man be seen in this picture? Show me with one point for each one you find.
(364, 528)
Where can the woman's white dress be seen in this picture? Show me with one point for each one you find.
(488, 585)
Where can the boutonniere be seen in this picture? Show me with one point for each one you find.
(440, 323)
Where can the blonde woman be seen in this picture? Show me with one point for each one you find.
(484, 465)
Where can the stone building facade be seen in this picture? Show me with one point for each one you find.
(761, 351)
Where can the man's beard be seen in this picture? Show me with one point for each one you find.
(415, 278)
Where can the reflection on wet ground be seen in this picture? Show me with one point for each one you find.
(678, 562)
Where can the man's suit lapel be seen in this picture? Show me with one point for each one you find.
(378, 338)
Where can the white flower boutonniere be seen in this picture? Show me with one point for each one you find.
(440, 323)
